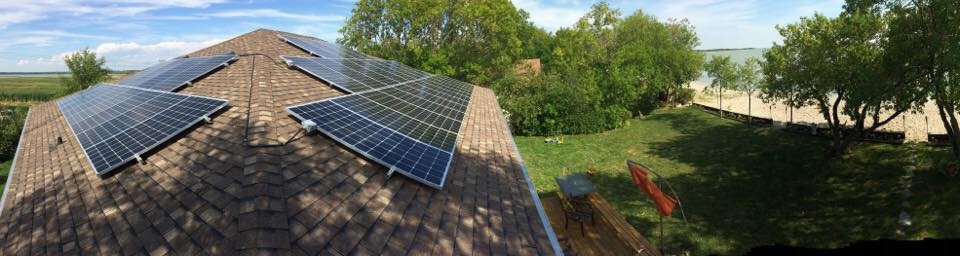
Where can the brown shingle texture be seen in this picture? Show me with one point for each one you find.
(239, 185)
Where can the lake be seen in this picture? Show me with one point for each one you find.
(738, 56)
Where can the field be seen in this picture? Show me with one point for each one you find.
(743, 187)
(23, 90)
(16, 95)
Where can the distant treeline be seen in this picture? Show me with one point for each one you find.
(34, 73)
(61, 73)
(725, 49)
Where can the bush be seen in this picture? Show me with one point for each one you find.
(684, 95)
(549, 105)
(11, 121)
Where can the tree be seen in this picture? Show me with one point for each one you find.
(476, 41)
(536, 41)
(748, 81)
(837, 65)
(86, 69)
(925, 44)
(651, 61)
(725, 76)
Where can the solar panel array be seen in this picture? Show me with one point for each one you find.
(173, 74)
(116, 123)
(411, 127)
(356, 75)
(320, 48)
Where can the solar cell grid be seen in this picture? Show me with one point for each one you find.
(356, 75)
(426, 163)
(322, 48)
(114, 123)
(173, 74)
(410, 127)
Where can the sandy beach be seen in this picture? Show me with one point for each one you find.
(915, 126)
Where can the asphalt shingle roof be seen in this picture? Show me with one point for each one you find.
(238, 186)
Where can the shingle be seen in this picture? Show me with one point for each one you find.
(206, 191)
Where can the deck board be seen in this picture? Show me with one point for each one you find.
(611, 235)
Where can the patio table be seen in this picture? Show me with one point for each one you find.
(575, 185)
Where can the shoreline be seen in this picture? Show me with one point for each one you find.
(916, 126)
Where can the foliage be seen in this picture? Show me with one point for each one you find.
(86, 69)
(651, 60)
(748, 80)
(476, 41)
(837, 65)
(11, 121)
(734, 178)
(685, 95)
(537, 42)
(4, 171)
(723, 71)
(551, 105)
(748, 76)
(924, 43)
(620, 66)
(594, 74)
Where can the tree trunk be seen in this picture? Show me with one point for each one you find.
(720, 105)
(749, 108)
(950, 124)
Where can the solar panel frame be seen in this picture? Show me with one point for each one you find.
(366, 153)
(321, 48)
(176, 131)
(344, 73)
(142, 78)
(439, 81)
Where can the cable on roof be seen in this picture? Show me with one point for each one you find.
(246, 130)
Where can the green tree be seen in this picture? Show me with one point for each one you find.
(837, 65)
(476, 41)
(86, 69)
(725, 76)
(924, 43)
(748, 81)
(536, 41)
(651, 61)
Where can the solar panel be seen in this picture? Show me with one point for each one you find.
(412, 127)
(320, 48)
(356, 75)
(173, 74)
(116, 123)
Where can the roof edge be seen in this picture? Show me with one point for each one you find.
(533, 191)
(13, 166)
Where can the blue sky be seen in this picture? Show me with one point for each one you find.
(133, 34)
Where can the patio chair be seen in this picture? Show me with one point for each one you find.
(578, 210)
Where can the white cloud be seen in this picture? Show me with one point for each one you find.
(126, 55)
(20, 11)
(64, 34)
(741, 23)
(713, 13)
(271, 13)
(552, 17)
(132, 55)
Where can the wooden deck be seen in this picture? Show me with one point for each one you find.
(611, 235)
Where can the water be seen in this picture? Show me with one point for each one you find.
(737, 56)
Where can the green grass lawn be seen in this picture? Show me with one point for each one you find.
(744, 186)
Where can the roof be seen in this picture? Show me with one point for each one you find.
(208, 192)
(527, 67)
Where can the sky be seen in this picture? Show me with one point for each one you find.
(134, 34)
